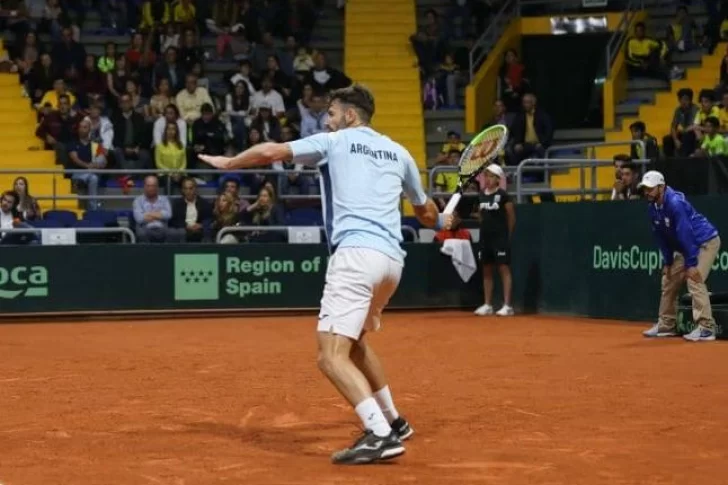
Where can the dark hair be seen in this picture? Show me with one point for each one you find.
(707, 94)
(685, 92)
(622, 157)
(188, 179)
(713, 121)
(638, 25)
(638, 125)
(16, 199)
(632, 166)
(357, 96)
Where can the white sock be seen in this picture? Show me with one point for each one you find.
(384, 398)
(371, 415)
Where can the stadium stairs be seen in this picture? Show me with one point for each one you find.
(20, 149)
(378, 55)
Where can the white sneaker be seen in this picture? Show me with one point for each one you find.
(656, 331)
(505, 311)
(700, 334)
(484, 310)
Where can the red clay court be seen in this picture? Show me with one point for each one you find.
(530, 400)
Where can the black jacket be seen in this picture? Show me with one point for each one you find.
(541, 123)
(179, 212)
(142, 136)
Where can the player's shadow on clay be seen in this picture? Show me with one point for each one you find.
(308, 439)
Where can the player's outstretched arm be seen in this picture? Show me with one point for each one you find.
(261, 154)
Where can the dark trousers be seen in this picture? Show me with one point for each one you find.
(688, 141)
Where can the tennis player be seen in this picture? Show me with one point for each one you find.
(497, 220)
(689, 244)
(362, 176)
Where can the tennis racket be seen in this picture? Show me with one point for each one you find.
(478, 154)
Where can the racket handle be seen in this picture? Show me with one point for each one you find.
(452, 203)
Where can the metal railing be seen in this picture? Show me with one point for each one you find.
(124, 231)
(594, 146)
(236, 229)
(616, 41)
(531, 164)
(498, 24)
(431, 187)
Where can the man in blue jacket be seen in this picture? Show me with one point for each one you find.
(689, 244)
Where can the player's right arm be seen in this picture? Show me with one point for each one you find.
(306, 151)
(425, 208)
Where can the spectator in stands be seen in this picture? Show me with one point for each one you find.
(202, 80)
(155, 15)
(25, 56)
(314, 117)
(107, 61)
(532, 132)
(619, 161)
(263, 51)
(707, 110)
(171, 115)
(191, 213)
(116, 81)
(58, 129)
(135, 51)
(448, 79)
(639, 132)
(646, 56)
(264, 212)
(324, 78)
(447, 180)
(282, 82)
(302, 62)
(429, 43)
(513, 82)
(170, 155)
(245, 75)
(291, 176)
(724, 72)
(184, 13)
(267, 124)
(160, 99)
(682, 140)
(226, 214)
(138, 103)
(713, 143)
(231, 185)
(69, 55)
(41, 78)
(501, 116)
(723, 115)
(208, 136)
(626, 186)
(190, 53)
(102, 130)
(168, 37)
(171, 70)
(27, 207)
(191, 99)
(52, 14)
(270, 97)
(92, 85)
(130, 137)
(222, 23)
(238, 104)
(152, 213)
(256, 180)
(10, 218)
(87, 155)
(682, 32)
(456, 231)
(52, 97)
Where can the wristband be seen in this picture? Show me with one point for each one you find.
(440, 222)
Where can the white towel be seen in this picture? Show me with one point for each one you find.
(463, 259)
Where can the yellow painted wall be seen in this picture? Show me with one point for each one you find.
(378, 55)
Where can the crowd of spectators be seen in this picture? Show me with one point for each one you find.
(150, 104)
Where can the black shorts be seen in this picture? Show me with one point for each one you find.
(495, 250)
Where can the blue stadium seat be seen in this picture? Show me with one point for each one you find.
(304, 217)
(105, 218)
(88, 223)
(66, 218)
(48, 224)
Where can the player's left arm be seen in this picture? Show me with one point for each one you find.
(510, 216)
(306, 151)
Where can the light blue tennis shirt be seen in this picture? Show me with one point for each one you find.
(363, 174)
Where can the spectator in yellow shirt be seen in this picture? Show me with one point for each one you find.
(51, 97)
(170, 156)
(155, 13)
(184, 13)
(723, 116)
(645, 56)
(714, 144)
(447, 181)
(453, 143)
(707, 110)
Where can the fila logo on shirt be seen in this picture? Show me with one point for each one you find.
(491, 206)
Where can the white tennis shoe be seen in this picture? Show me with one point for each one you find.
(505, 311)
(658, 331)
(484, 310)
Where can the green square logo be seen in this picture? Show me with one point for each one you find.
(196, 277)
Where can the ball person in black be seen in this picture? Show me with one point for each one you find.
(497, 220)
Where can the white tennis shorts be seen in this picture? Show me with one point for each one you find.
(359, 284)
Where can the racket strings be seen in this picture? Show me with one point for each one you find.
(482, 151)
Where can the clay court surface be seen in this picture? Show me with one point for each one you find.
(526, 401)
